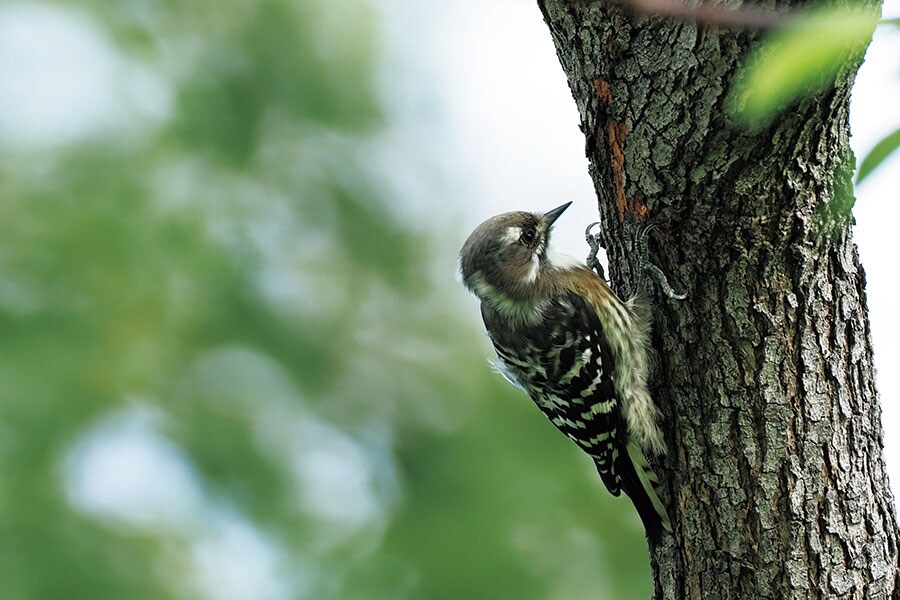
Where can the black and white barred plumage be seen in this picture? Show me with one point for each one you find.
(578, 351)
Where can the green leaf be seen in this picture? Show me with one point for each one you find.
(877, 155)
(803, 57)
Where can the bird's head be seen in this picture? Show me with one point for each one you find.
(506, 258)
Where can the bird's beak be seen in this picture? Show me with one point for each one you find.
(554, 214)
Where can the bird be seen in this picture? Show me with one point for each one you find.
(581, 353)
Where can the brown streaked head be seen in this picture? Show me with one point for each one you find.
(505, 257)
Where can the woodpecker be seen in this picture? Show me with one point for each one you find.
(563, 336)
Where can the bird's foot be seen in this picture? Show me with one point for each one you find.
(648, 267)
(595, 242)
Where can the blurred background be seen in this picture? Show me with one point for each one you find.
(235, 361)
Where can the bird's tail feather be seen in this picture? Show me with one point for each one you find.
(640, 483)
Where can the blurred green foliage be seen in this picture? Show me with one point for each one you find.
(802, 57)
(878, 154)
(234, 292)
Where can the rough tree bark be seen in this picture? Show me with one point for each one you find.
(777, 485)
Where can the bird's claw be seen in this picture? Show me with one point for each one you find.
(654, 271)
(594, 241)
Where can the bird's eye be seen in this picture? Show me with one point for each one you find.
(527, 236)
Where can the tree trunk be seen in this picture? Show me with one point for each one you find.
(776, 479)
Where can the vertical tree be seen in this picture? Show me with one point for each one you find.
(776, 475)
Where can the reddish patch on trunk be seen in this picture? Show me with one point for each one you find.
(636, 207)
(616, 133)
(602, 89)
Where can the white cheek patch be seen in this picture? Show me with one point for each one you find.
(512, 235)
(532, 274)
(535, 268)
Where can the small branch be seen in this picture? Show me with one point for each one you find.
(737, 17)
(712, 14)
